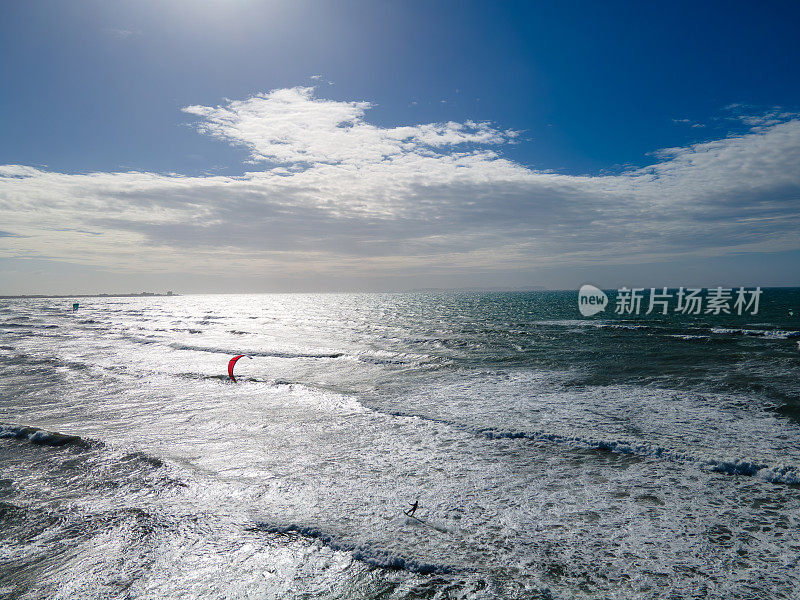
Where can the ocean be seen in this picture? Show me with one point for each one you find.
(553, 456)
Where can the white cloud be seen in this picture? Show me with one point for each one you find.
(773, 117)
(688, 122)
(120, 34)
(290, 125)
(756, 119)
(337, 194)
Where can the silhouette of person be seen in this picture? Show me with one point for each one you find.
(410, 512)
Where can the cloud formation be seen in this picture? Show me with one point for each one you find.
(291, 126)
(333, 193)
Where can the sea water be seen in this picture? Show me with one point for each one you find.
(553, 456)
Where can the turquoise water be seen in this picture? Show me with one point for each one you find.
(553, 456)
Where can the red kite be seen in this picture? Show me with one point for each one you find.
(231, 364)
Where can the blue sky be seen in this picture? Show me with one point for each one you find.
(572, 102)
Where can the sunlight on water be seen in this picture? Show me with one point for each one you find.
(552, 456)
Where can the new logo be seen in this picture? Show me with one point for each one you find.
(591, 300)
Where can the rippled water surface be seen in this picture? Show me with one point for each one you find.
(552, 456)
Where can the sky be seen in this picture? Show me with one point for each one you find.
(276, 145)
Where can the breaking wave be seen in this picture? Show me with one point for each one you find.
(766, 333)
(372, 556)
(777, 473)
(260, 353)
(42, 436)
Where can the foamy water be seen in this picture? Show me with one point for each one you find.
(552, 457)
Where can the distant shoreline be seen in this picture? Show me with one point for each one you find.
(137, 295)
(411, 291)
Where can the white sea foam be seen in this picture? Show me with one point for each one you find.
(767, 333)
(292, 483)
